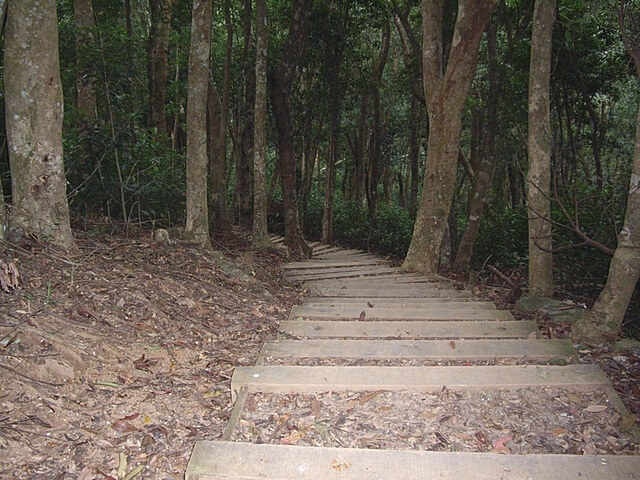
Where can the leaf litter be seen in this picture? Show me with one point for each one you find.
(115, 359)
(524, 421)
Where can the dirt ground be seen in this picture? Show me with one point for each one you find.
(116, 358)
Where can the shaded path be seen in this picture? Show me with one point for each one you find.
(398, 329)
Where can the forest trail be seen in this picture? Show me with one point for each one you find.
(423, 379)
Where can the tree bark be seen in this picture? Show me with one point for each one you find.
(445, 94)
(34, 111)
(539, 152)
(85, 74)
(219, 215)
(414, 154)
(157, 50)
(604, 321)
(485, 166)
(260, 232)
(330, 178)
(197, 221)
(244, 143)
(281, 85)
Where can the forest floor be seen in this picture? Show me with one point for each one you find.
(116, 358)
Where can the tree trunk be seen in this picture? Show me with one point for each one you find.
(330, 178)
(85, 74)
(414, 154)
(446, 94)
(281, 85)
(197, 222)
(33, 105)
(539, 152)
(161, 14)
(244, 143)
(485, 166)
(219, 215)
(260, 231)
(604, 321)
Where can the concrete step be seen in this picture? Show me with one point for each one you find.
(302, 379)
(427, 312)
(413, 329)
(216, 460)
(471, 350)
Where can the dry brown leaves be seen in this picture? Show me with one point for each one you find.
(118, 358)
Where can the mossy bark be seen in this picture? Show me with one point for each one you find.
(34, 111)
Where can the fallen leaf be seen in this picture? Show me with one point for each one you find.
(559, 431)
(86, 312)
(481, 438)
(362, 315)
(340, 465)
(369, 304)
(574, 398)
(453, 344)
(368, 396)
(145, 364)
(596, 408)
(499, 443)
(123, 426)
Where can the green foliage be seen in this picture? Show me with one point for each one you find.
(502, 239)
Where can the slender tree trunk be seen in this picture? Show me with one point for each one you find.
(446, 94)
(360, 152)
(85, 75)
(414, 154)
(330, 178)
(604, 321)
(539, 151)
(161, 14)
(485, 167)
(197, 222)
(219, 216)
(281, 84)
(260, 232)
(33, 107)
(246, 134)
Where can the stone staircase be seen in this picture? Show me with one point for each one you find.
(367, 327)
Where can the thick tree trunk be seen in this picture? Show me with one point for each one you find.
(360, 152)
(281, 85)
(539, 152)
(219, 215)
(485, 166)
(260, 233)
(604, 320)
(33, 105)
(197, 222)
(446, 94)
(85, 74)
(161, 14)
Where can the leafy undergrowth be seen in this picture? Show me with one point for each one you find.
(116, 358)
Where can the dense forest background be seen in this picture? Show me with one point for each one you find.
(358, 126)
